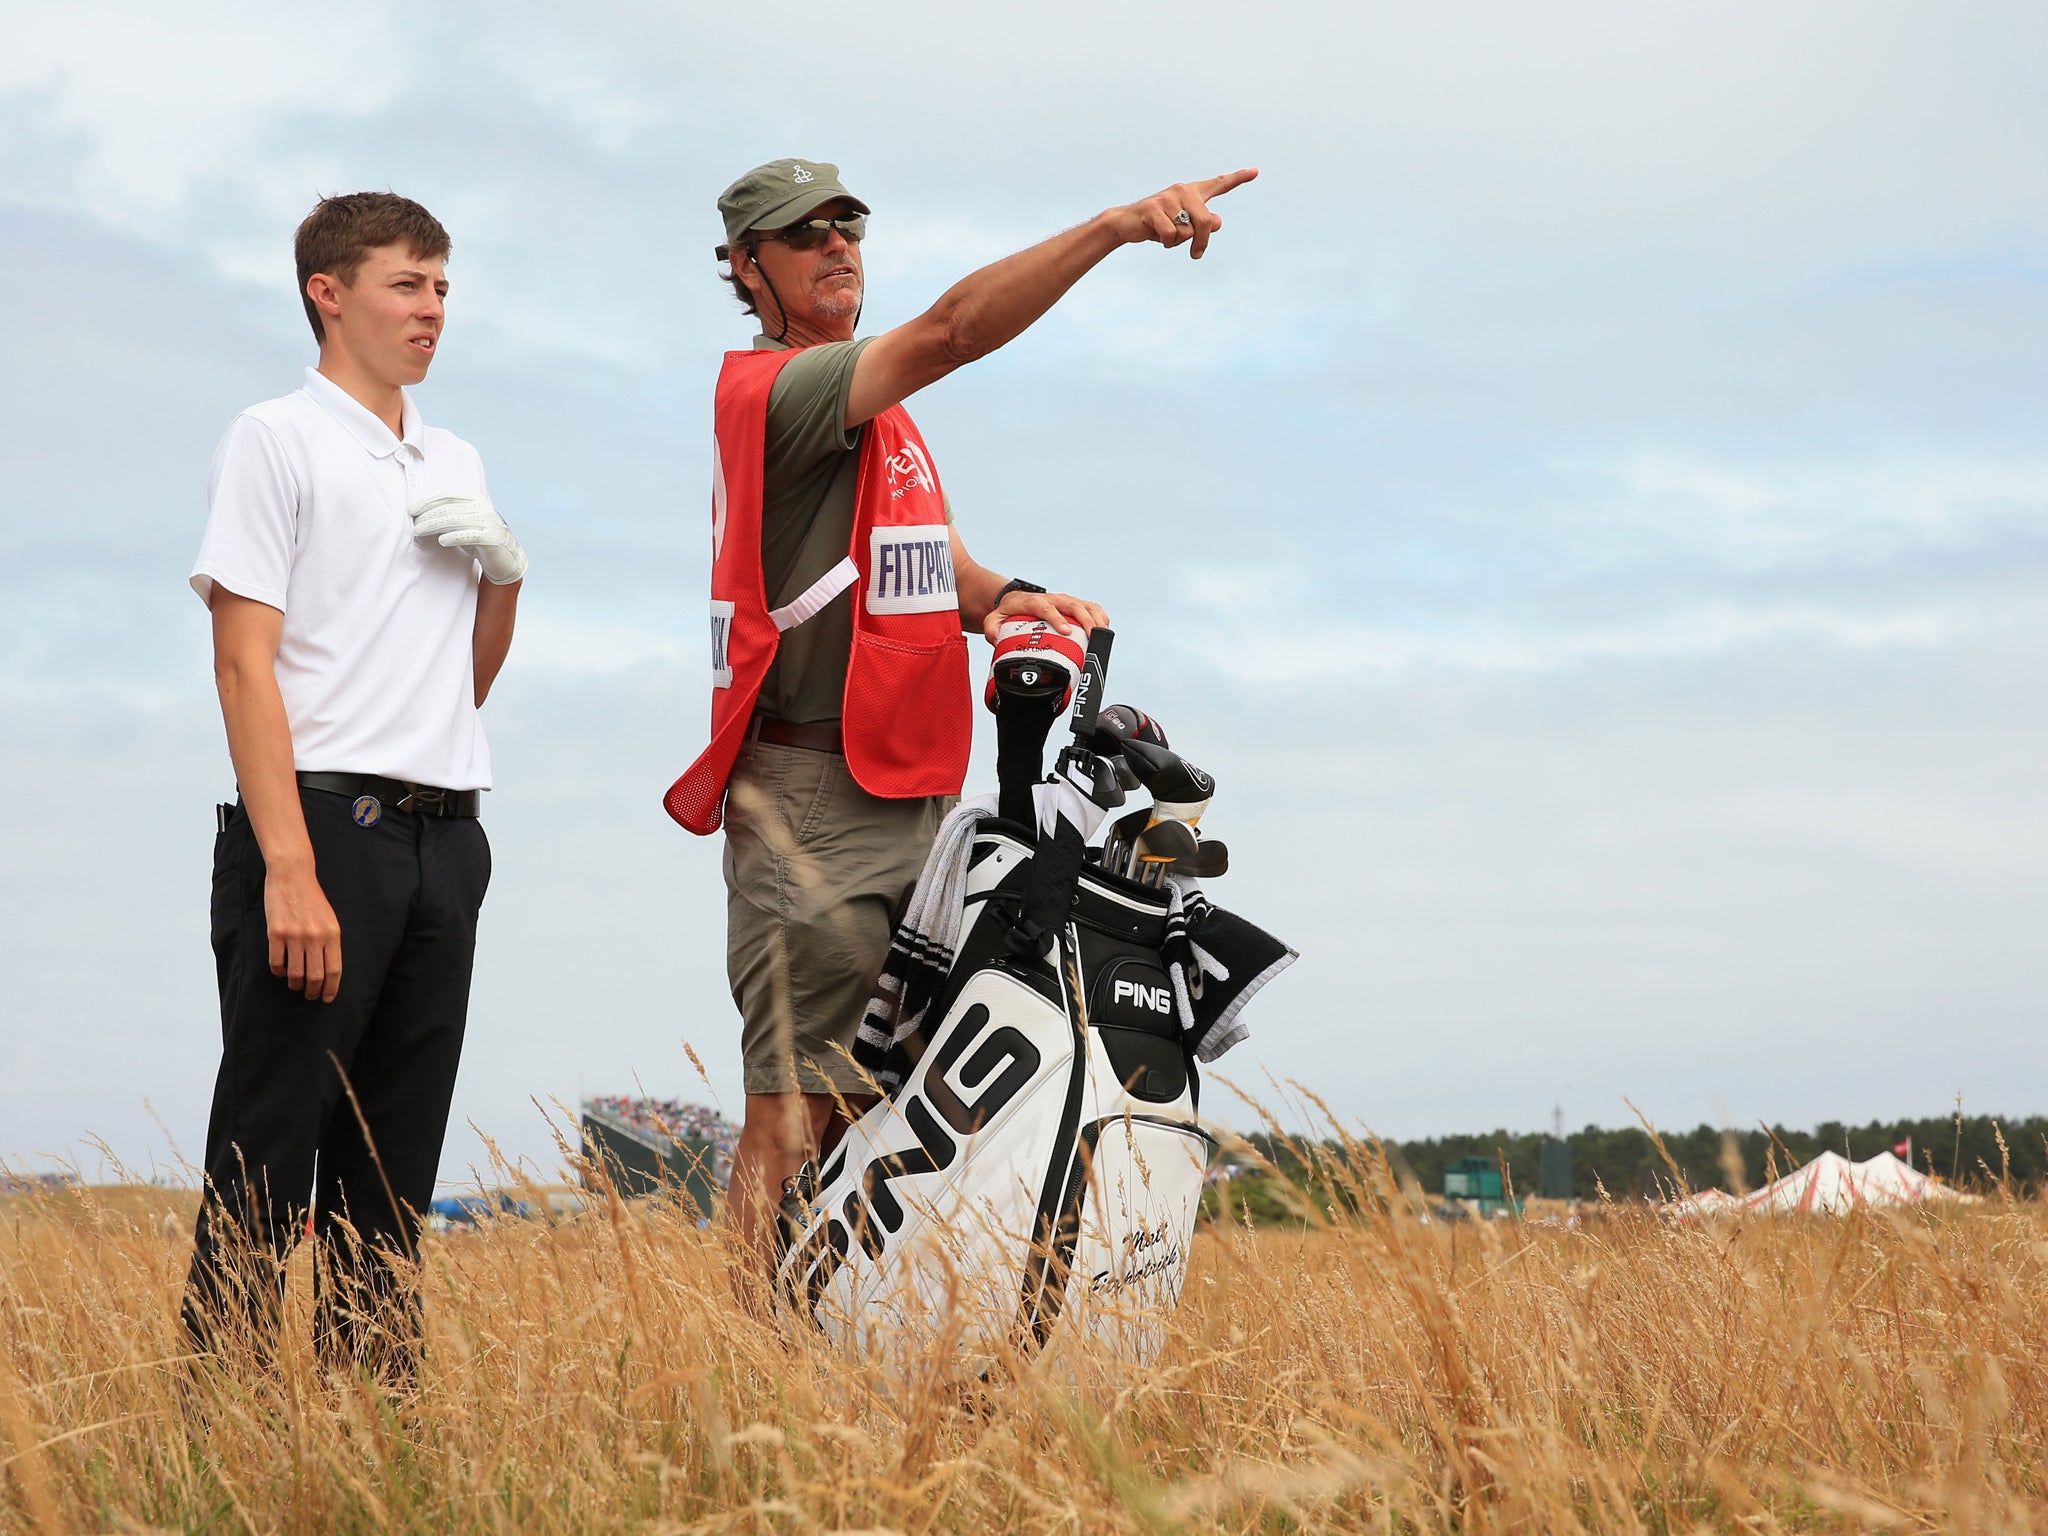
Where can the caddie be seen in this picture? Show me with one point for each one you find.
(362, 591)
(840, 589)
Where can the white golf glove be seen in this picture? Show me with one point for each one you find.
(472, 523)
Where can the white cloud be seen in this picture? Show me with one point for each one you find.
(157, 102)
(1758, 519)
(1279, 649)
(566, 644)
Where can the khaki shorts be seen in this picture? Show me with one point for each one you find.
(817, 871)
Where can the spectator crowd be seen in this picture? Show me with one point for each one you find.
(670, 1118)
(33, 1183)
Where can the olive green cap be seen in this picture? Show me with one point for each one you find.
(779, 193)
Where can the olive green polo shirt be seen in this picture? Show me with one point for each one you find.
(812, 466)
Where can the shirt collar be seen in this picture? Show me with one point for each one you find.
(362, 423)
(770, 344)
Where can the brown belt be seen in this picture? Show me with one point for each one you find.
(787, 733)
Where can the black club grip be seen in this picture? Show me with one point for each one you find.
(1094, 678)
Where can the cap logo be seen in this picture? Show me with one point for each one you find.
(801, 175)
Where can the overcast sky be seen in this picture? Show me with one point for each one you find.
(1589, 510)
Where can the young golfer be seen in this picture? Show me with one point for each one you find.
(362, 590)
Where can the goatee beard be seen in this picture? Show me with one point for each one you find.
(838, 303)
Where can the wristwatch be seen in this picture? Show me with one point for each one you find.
(1016, 584)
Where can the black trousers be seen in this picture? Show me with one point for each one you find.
(345, 1102)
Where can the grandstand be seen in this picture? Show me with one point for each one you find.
(650, 1145)
(12, 1183)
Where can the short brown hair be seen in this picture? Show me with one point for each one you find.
(341, 231)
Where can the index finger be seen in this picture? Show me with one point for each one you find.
(1050, 611)
(1216, 186)
(1081, 611)
(428, 525)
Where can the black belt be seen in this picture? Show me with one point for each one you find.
(787, 733)
(400, 795)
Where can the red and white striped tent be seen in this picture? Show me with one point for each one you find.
(1828, 1186)
(1708, 1202)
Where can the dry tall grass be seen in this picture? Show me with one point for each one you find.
(1374, 1374)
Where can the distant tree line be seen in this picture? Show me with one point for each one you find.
(1626, 1163)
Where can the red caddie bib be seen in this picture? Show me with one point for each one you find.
(907, 718)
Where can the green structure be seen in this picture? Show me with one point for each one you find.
(639, 1161)
(1554, 1172)
(1477, 1181)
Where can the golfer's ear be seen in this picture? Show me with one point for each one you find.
(325, 293)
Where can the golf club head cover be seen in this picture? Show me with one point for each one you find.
(1033, 661)
(1022, 725)
(1119, 723)
(1068, 813)
(1178, 788)
(1068, 810)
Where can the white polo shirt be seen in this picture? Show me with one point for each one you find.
(307, 511)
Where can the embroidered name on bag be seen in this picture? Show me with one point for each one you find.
(910, 569)
(721, 640)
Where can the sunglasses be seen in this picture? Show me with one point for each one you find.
(812, 233)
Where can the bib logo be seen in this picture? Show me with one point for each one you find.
(910, 569)
(910, 470)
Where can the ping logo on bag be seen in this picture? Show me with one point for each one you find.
(1003, 1062)
(1133, 992)
(910, 569)
(1155, 999)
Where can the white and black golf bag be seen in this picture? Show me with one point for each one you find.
(1042, 1158)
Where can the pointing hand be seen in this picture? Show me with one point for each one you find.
(1179, 215)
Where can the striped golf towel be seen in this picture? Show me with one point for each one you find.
(1217, 961)
(922, 948)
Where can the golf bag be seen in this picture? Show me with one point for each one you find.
(1041, 1156)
